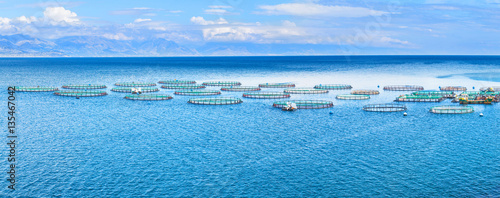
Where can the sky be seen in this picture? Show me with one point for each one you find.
(352, 27)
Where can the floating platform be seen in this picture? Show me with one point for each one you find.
(222, 83)
(89, 86)
(422, 98)
(403, 88)
(197, 92)
(182, 86)
(446, 94)
(276, 85)
(452, 109)
(384, 107)
(240, 88)
(36, 89)
(305, 91)
(176, 82)
(453, 88)
(80, 93)
(266, 95)
(135, 84)
(305, 104)
(352, 97)
(491, 89)
(148, 97)
(215, 101)
(129, 89)
(333, 86)
(365, 92)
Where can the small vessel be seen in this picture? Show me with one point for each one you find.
(290, 107)
(136, 90)
(477, 100)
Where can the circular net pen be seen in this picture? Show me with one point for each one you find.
(80, 93)
(266, 95)
(432, 93)
(215, 101)
(184, 86)
(365, 92)
(403, 88)
(276, 85)
(135, 84)
(89, 86)
(129, 89)
(148, 97)
(240, 88)
(177, 82)
(352, 97)
(222, 83)
(305, 91)
(333, 86)
(452, 109)
(492, 89)
(384, 107)
(453, 88)
(423, 98)
(305, 104)
(197, 92)
(35, 89)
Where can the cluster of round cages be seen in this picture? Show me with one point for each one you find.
(305, 91)
(389, 107)
(333, 86)
(276, 85)
(35, 89)
(135, 84)
(182, 86)
(403, 88)
(80, 93)
(215, 101)
(177, 82)
(352, 97)
(240, 88)
(490, 89)
(148, 97)
(365, 92)
(453, 88)
(89, 86)
(266, 95)
(452, 109)
(305, 104)
(419, 98)
(222, 83)
(129, 89)
(197, 92)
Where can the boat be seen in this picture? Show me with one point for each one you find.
(290, 107)
(477, 100)
(136, 90)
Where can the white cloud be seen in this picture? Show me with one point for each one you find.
(175, 11)
(317, 10)
(289, 23)
(24, 19)
(216, 11)
(139, 20)
(220, 6)
(202, 21)
(393, 41)
(5, 24)
(60, 16)
(118, 36)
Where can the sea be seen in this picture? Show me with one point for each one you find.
(112, 147)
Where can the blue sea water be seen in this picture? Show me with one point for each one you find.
(112, 147)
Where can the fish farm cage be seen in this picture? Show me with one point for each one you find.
(384, 107)
(452, 109)
(148, 97)
(80, 93)
(305, 104)
(129, 89)
(182, 86)
(421, 98)
(365, 92)
(240, 88)
(446, 94)
(89, 86)
(197, 92)
(333, 86)
(222, 83)
(305, 91)
(266, 95)
(276, 85)
(493, 88)
(135, 84)
(176, 82)
(403, 88)
(352, 97)
(453, 88)
(215, 101)
(35, 89)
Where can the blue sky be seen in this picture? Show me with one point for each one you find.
(356, 27)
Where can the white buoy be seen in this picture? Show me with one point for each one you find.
(405, 114)
(481, 115)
